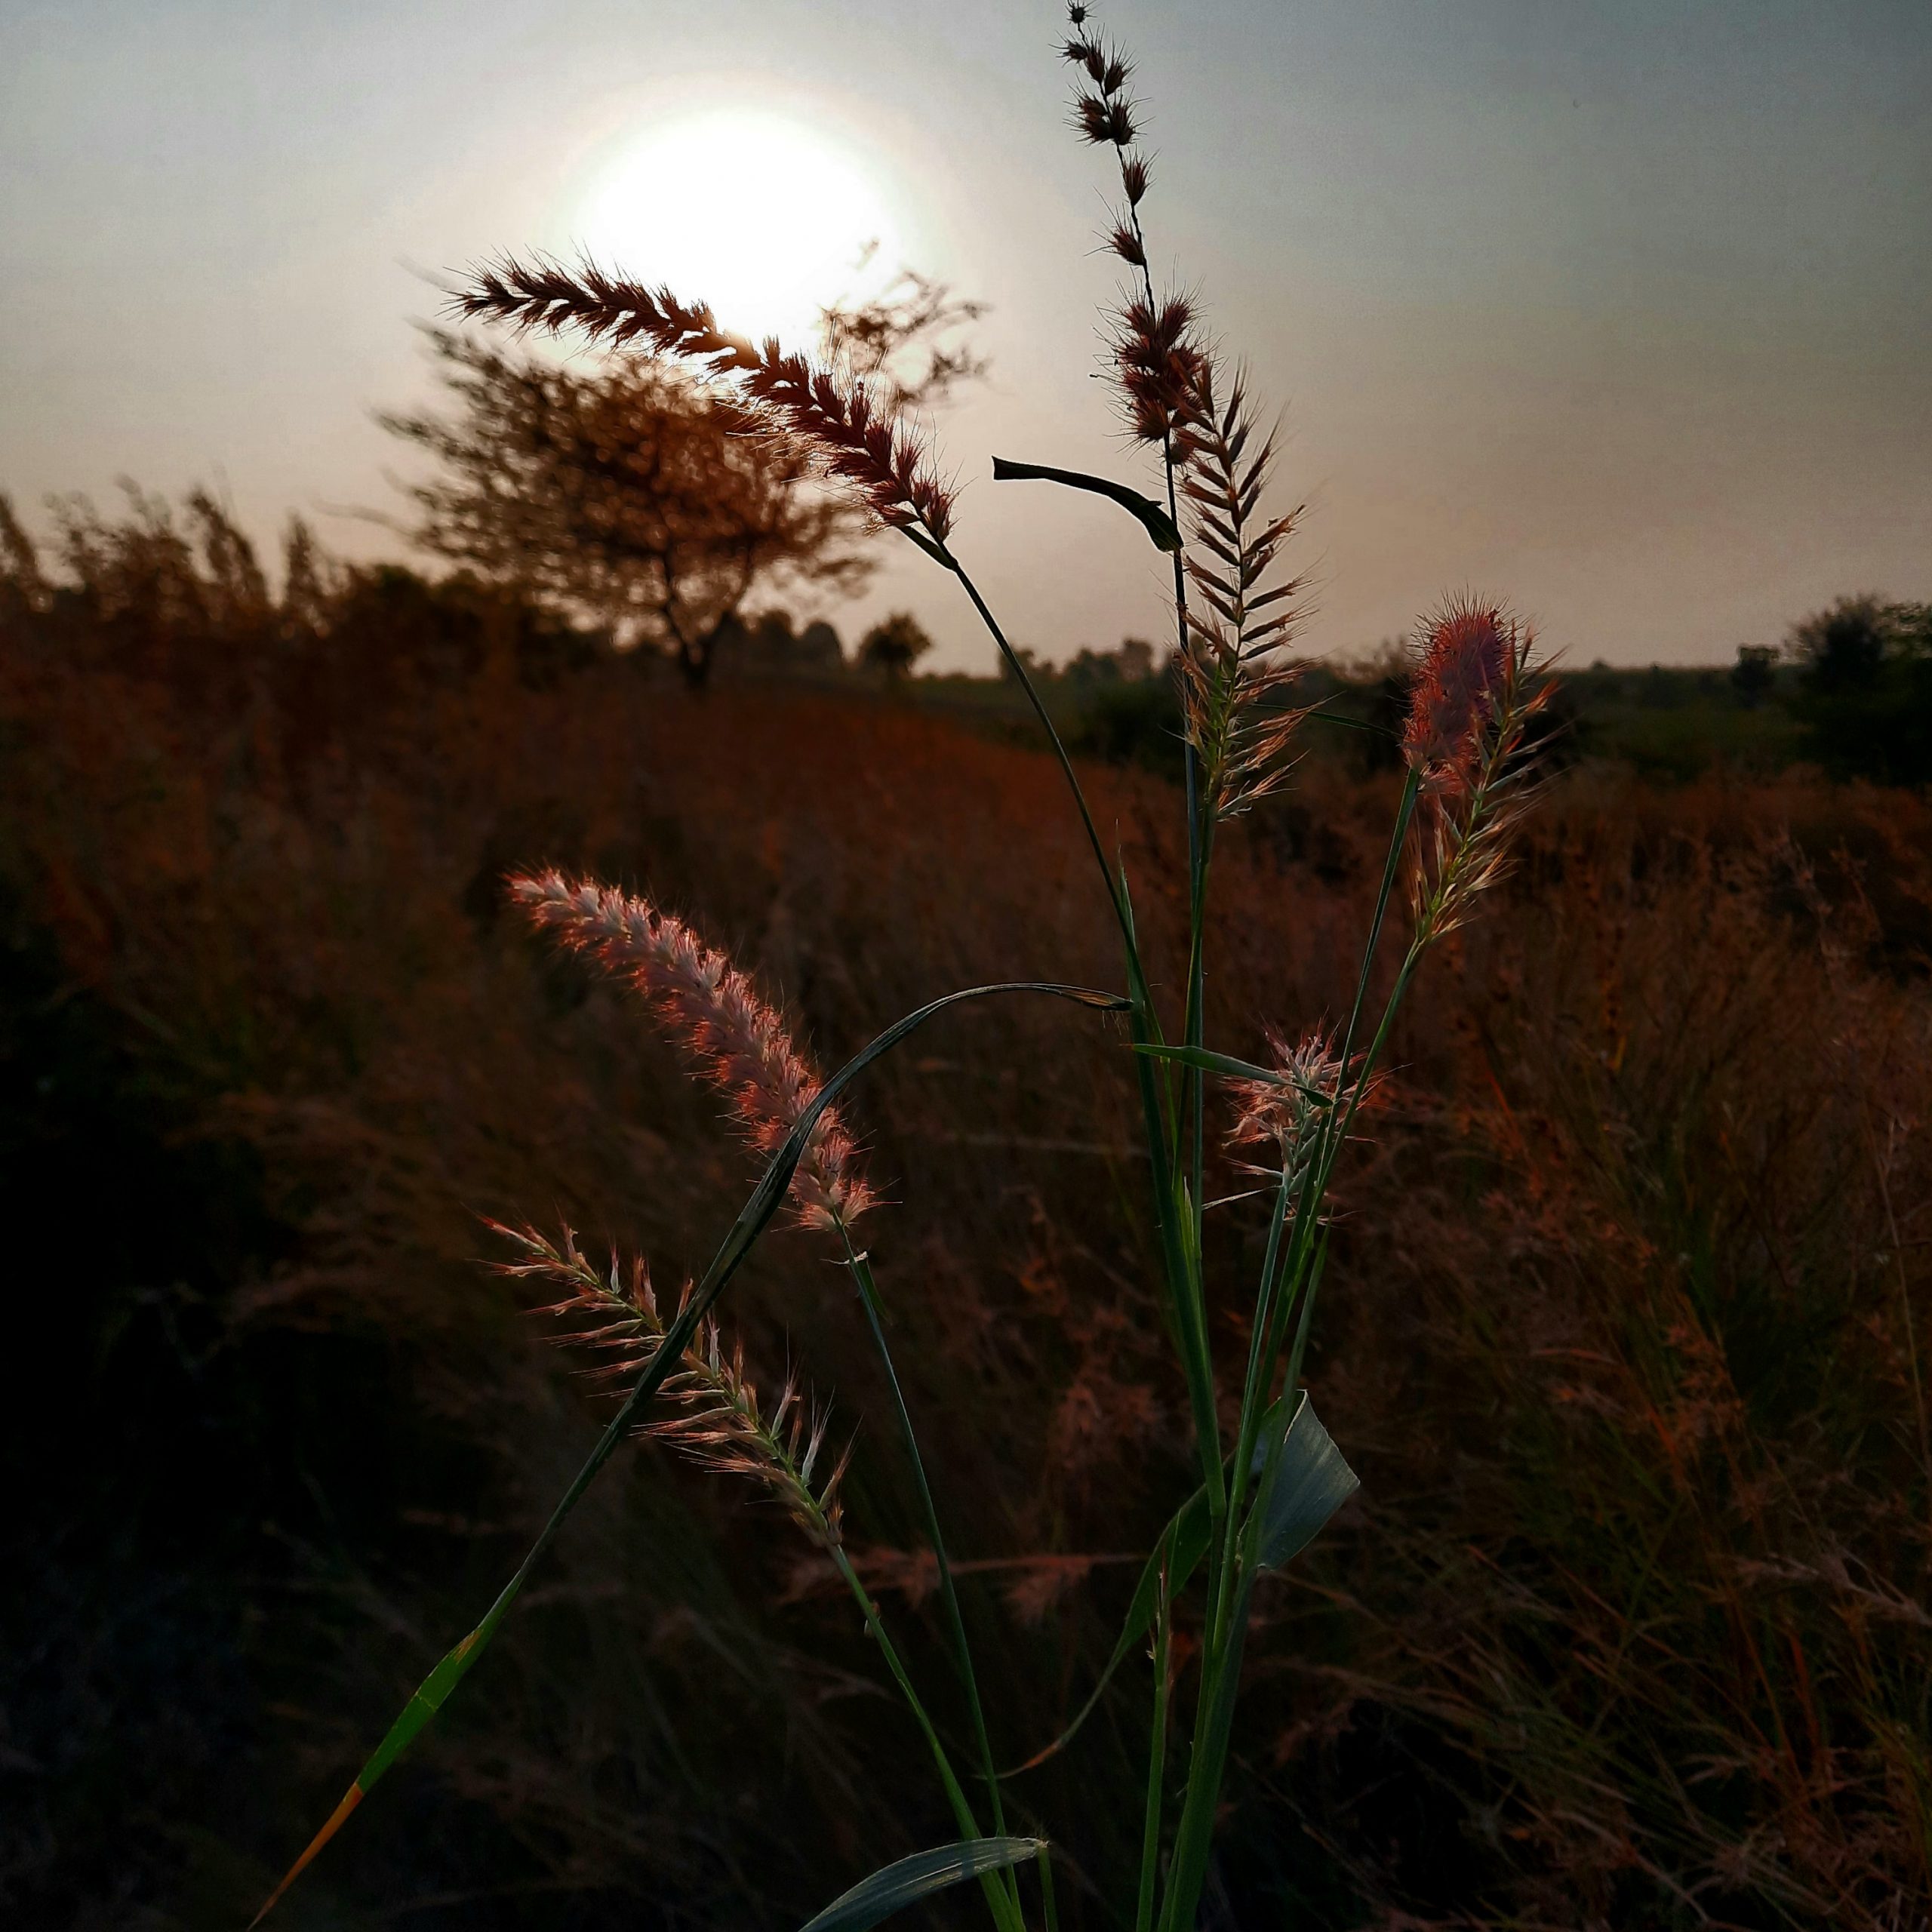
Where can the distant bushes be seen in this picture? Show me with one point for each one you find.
(1865, 694)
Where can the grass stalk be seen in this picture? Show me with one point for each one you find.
(1156, 1759)
(859, 1267)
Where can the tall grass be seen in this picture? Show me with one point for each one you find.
(1269, 1475)
(1652, 1079)
(1623, 1278)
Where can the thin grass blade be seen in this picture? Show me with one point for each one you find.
(1181, 1547)
(911, 1879)
(753, 1220)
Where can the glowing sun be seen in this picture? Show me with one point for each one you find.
(760, 214)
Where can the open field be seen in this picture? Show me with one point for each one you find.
(1624, 1328)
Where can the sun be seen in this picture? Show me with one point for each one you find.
(756, 210)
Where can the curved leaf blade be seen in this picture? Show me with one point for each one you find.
(1181, 1547)
(753, 1220)
(1312, 1482)
(1159, 525)
(911, 1879)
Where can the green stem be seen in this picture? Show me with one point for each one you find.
(860, 1269)
(1183, 1282)
(1157, 1761)
(1005, 1912)
(1404, 813)
(1193, 1838)
(1044, 1858)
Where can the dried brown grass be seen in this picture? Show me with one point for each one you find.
(1630, 1297)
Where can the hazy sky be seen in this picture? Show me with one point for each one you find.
(1622, 308)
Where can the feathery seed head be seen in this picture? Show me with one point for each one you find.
(834, 419)
(722, 1426)
(1473, 650)
(1240, 613)
(1134, 177)
(741, 1045)
(1464, 740)
(1126, 245)
(1291, 1111)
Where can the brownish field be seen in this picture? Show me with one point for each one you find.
(1624, 1330)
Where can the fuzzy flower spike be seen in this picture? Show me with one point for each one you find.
(1463, 739)
(852, 433)
(740, 1044)
(717, 1420)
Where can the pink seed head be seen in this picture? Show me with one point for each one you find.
(1470, 655)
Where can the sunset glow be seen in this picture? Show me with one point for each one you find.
(760, 213)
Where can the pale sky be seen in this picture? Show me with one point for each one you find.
(1622, 309)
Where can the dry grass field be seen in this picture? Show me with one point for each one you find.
(1624, 1330)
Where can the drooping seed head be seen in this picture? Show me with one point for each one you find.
(835, 421)
(741, 1046)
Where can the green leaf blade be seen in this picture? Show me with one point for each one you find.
(908, 1880)
(1313, 1481)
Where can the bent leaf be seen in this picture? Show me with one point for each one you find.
(1232, 1069)
(925, 1872)
(1155, 520)
(753, 1220)
(1311, 1482)
(1181, 1547)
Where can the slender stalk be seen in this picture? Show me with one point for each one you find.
(1214, 1725)
(1044, 1858)
(860, 1269)
(1178, 1252)
(1254, 1399)
(1019, 669)
(1004, 1909)
(1200, 818)
(1156, 1759)
(1404, 813)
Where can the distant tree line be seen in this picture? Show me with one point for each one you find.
(1861, 687)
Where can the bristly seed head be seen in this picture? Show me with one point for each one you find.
(722, 1424)
(742, 1047)
(837, 421)
(1290, 1112)
(1102, 121)
(1471, 655)
(1157, 361)
(1134, 177)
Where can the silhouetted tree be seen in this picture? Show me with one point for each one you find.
(1842, 646)
(1132, 662)
(641, 498)
(906, 341)
(1865, 691)
(895, 645)
(1754, 675)
(630, 493)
